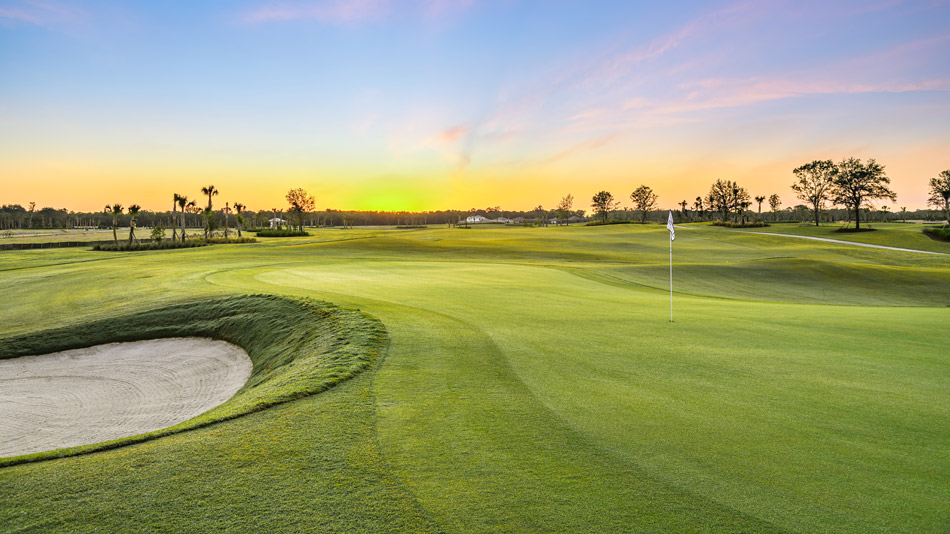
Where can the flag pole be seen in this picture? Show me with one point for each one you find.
(671, 278)
(669, 226)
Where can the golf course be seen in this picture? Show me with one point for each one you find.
(512, 379)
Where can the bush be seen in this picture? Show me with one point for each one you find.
(937, 234)
(158, 233)
(124, 246)
(229, 240)
(750, 224)
(853, 230)
(281, 233)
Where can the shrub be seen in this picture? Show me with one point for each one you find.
(154, 245)
(853, 230)
(158, 234)
(937, 234)
(281, 233)
(229, 240)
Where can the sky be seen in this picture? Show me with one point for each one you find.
(458, 104)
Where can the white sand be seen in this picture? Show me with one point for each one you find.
(84, 396)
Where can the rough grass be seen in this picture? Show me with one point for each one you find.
(533, 382)
(298, 347)
(937, 234)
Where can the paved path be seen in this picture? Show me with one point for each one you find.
(855, 243)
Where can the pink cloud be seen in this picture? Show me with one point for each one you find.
(334, 11)
(580, 148)
(350, 11)
(453, 134)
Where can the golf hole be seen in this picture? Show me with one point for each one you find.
(96, 394)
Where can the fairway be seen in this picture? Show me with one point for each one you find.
(529, 380)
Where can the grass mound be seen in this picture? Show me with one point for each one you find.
(282, 233)
(298, 347)
(937, 234)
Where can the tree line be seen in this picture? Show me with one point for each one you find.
(850, 183)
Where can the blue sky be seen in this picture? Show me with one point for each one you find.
(460, 103)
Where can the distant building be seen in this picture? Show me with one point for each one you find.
(277, 222)
(475, 219)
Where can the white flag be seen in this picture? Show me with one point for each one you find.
(669, 226)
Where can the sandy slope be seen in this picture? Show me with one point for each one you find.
(110, 391)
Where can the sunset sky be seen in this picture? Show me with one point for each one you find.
(436, 104)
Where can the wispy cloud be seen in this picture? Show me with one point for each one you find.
(334, 11)
(353, 11)
(37, 13)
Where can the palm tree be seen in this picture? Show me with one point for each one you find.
(210, 191)
(240, 219)
(182, 202)
(683, 205)
(904, 213)
(227, 213)
(115, 210)
(760, 200)
(176, 200)
(133, 213)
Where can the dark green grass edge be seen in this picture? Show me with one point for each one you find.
(298, 347)
(937, 234)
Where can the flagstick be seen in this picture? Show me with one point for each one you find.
(671, 278)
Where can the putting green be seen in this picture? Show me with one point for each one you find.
(533, 382)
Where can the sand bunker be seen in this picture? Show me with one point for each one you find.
(84, 396)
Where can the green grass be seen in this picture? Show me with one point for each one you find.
(297, 347)
(887, 234)
(533, 382)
